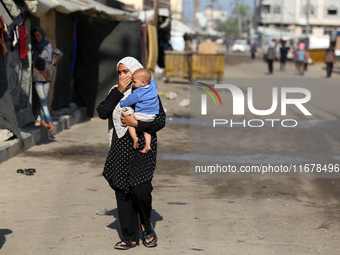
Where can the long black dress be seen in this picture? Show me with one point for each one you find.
(126, 167)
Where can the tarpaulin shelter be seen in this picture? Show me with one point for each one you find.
(92, 36)
(15, 73)
(42, 7)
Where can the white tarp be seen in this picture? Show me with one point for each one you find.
(147, 15)
(178, 29)
(41, 7)
(319, 42)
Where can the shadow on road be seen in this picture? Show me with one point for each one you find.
(3, 233)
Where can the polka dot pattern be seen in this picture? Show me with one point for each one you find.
(125, 166)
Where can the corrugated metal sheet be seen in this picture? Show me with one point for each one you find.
(41, 7)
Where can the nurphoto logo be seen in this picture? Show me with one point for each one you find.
(238, 105)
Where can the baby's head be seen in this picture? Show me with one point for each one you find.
(141, 78)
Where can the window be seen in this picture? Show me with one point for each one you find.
(332, 10)
(266, 9)
(310, 31)
(277, 9)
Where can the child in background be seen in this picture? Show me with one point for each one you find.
(145, 98)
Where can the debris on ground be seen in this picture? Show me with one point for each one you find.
(177, 203)
(28, 171)
(171, 95)
(184, 103)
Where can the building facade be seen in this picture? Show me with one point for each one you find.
(300, 17)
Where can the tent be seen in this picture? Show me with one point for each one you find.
(178, 28)
(91, 35)
(41, 7)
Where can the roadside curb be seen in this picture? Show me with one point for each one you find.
(35, 135)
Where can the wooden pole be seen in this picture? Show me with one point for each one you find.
(155, 14)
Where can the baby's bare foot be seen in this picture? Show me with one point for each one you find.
(135, 142)
(146, 149)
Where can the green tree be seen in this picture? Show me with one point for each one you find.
(230, 27)
(236, 24)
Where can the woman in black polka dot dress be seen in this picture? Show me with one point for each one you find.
(128, 171)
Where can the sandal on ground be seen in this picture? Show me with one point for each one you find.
(153, 243)
(128, 245)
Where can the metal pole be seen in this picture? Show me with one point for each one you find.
(307, 17)
(282, 1)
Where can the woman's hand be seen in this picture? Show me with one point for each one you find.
(123, 83)
(129, 120)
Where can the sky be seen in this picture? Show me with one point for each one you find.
(226, 5)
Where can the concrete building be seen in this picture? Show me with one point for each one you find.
(176, 6)
(298, 17)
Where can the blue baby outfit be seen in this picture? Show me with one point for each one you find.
(144, 98)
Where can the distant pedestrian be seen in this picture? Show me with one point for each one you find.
(270, 56)
(227, 43)
(307, 59)
(296, 62)
(253, 50)
(283, 56)
(329, 60)
(301, 56)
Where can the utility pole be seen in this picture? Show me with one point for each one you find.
(194, 14)
(307, 17)
(282, 1)
(197, 8)
(239, 19)
(155, 14)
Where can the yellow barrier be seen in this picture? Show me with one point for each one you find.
(193, 65)
(177, 64)
(207, 66)
(317, 55)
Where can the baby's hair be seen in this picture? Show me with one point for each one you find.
(144, 74)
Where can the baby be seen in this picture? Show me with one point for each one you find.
(145, 98)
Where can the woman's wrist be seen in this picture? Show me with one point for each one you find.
(120, 89)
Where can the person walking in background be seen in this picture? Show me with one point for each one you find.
(301, 56)
(264, 51)
(330, 58)
(253, 50)
(270, 56)
(227, 43)
(296, 62)
(43, 62)
(307, 59)
(283, 56)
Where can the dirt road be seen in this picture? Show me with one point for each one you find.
(67, 207)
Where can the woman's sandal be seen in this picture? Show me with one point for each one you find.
(153, 243)
(128, 245)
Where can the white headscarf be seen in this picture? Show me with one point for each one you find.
(133, 65)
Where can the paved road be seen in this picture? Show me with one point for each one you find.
(57, 210)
